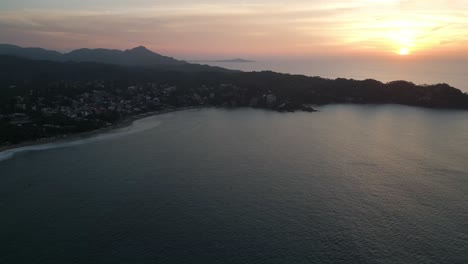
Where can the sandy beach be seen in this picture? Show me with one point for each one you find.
(89, 134)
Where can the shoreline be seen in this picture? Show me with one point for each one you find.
(66, 138)
(126, 122)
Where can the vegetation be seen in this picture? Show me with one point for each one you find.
(43, 98)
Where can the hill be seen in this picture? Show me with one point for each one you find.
(30, 53)
(298, 89)
(139, 56)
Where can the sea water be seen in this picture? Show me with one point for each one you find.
(348, 184)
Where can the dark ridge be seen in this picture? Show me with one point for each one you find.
(295, 88)
(139, 56)
(30, 53)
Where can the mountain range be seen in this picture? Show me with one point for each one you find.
(18, 75)
(139, 56)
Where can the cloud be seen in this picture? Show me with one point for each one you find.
(237, 27)
(168, 26)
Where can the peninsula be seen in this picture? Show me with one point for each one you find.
(52, 96)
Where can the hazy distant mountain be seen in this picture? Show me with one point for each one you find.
(139, 56)
(30, 53)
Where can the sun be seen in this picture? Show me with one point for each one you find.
(403, 35)
(404, 51)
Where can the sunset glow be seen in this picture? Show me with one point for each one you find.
(404, 51)
(259, 27)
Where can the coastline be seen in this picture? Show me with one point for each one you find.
(126, 122)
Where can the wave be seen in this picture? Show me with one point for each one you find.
(136, 127)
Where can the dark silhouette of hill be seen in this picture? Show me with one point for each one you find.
(297, 89)
(139, 56)
(30, 53)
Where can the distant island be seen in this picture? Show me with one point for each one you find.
(46, 94)
(237, 60)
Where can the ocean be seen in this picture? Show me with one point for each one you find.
(452, 72)
(348, 184)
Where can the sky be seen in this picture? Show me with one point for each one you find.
(255, 28)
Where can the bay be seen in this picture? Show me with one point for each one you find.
(349, 184)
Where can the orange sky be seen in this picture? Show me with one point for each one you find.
(208, 28)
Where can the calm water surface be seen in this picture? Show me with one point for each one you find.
(350, 184)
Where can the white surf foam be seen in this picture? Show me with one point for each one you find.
(136, 127)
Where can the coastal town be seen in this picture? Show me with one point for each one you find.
(45, 100)
(63, 108)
